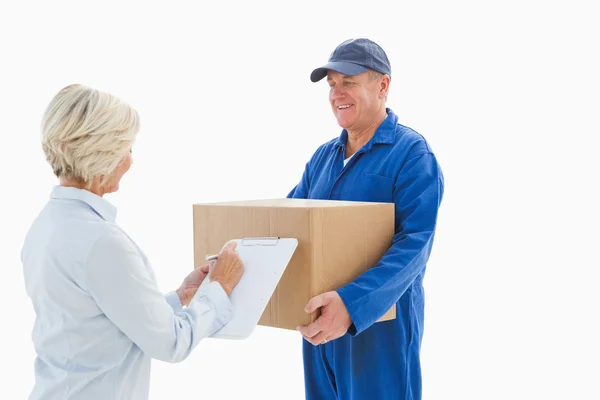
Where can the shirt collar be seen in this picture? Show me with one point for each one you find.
(384, 134)
(101, 206)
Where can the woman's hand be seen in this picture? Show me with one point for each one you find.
(191, 283)
(228, 268)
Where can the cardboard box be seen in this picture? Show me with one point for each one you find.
(337, 241)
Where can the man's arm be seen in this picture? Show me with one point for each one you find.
(300, 191)
(124, 289)
(417, 196)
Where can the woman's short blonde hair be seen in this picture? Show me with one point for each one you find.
(86, 133)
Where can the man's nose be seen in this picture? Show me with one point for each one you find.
(336, 92)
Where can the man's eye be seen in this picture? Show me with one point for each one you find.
(347, 83)
(331, 85)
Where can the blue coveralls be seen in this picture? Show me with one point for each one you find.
(381, 360)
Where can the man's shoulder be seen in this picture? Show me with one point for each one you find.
(408, 140)
(329, 145)
(408, 135)
(324, 149)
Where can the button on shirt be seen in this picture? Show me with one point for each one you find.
(100, 317)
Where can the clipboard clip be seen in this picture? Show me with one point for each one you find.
(253, 241)
(260, 241)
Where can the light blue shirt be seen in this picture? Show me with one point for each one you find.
(100, 317)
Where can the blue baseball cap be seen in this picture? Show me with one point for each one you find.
(353, 57)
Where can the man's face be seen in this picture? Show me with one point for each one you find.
(356, 100)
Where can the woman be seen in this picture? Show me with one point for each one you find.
(100, 317)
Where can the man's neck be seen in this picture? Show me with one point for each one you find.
(358, 138)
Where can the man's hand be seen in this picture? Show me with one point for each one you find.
(333, 322)
(191, 283)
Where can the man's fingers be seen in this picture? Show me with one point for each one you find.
(318, 339)
(308, 331)
(314, 303)
(312, 329)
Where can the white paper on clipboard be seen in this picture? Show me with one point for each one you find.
(265, 260)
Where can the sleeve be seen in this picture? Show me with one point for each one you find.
(417, 195)
(124, 288)
(300, 191)
(173, 299)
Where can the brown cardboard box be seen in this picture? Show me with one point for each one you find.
(337, 241)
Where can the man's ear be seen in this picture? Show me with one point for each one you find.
(384, 86)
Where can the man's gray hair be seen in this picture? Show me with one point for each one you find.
(374, 75)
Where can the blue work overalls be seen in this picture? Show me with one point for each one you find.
(381, 360)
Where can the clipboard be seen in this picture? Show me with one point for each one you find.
(265, 260)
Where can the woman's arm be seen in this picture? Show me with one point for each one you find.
(124, 288)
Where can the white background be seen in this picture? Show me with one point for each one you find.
(507, 94)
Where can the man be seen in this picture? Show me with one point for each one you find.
(347, 354)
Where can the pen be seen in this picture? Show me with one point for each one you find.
(212, 257)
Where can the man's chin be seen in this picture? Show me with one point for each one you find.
(343, 122)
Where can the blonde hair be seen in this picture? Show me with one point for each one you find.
(86, 133)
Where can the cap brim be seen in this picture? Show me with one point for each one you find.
(343, 67)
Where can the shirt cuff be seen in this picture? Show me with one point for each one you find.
(356, 316)
(174, 301)
(215, 294)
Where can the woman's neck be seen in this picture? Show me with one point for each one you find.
(94, 188)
